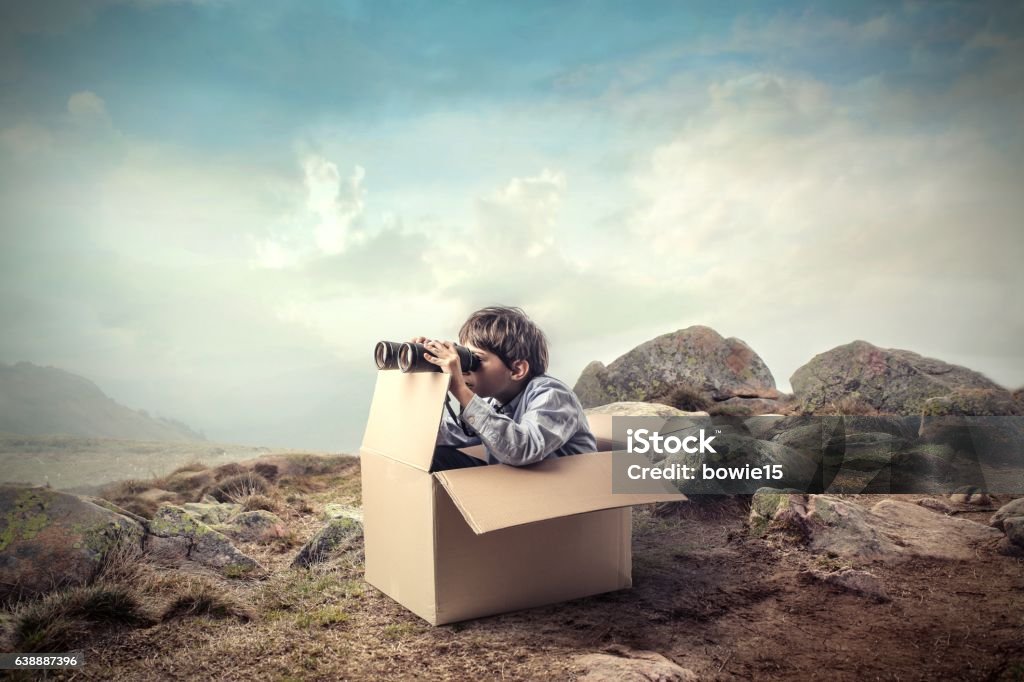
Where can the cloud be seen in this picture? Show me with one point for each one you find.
(336, 204)
(88, 110)
(793, 206)
(329, 222)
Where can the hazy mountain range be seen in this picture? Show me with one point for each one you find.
(38, 400)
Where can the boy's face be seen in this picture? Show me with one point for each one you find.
(493, 379)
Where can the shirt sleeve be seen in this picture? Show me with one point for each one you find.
(547, 422)
(451, 433)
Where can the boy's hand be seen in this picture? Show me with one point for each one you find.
(442, 353)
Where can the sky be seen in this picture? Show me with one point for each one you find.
(214, 209)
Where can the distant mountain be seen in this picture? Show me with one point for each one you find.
(39, 401)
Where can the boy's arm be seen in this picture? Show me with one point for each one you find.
(548, 421)
(451, 433)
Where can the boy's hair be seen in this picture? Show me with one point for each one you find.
(508, 333)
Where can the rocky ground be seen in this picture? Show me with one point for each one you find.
(776, 586)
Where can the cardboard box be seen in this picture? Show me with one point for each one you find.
(465, 543)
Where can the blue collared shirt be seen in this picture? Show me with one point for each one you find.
(545, 420)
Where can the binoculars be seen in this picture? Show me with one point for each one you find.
(408, 357)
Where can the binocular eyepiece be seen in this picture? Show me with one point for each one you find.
(408, 357)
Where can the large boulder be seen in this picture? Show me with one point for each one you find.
(889, 379)
(1014, 543)
(696, 357)
(50, 539)
(980, 423)
(740, 453)
(891, 531)
(1009, 510)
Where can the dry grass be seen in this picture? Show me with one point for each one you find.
(194, 465)
(201, 597)
(127, 496)
(696, 574)
(260, 501)
(237, 487)
(60, 620)
(684, 397)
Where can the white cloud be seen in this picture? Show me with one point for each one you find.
(336, 204)
(88, 108)
(329, 222)
(520, 218)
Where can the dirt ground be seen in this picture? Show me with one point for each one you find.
(706, 595)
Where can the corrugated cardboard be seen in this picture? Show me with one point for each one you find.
(473, 542)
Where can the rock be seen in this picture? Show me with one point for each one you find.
(175, 533)
(934, 505)
(697, 357)
(736, 451)
(763, 426)
(338, 536)
(855, 581)
(628, 409)
(1014, 527)
(904, 427)
(744, 407)
(628, 665)
(871, 451)
(110, 506)
(253, 526)
(1008, 510)
(890, 380)
(588, 387)
(991, 439)
(779, 510)
(969, 494)
(51, 539)
(811, 435)
(971, 402)
(891, 531)
(212, 513)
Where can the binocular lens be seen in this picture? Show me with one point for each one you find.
(386, 355)
(408, 357)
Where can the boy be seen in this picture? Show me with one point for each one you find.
(519, 413)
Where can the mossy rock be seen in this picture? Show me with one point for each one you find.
(212, 513)
(251, 526)
(335, 538)
(51, 539)
(173, 531)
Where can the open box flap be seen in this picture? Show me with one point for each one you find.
(601, 426)
(500, 496)
(405, 416)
